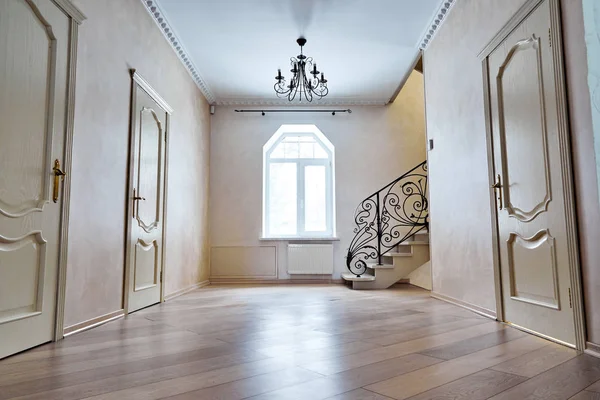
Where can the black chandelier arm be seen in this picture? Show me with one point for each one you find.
(280, 89)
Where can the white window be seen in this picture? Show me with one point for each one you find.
(298, 185)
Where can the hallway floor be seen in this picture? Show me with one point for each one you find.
(301, 342)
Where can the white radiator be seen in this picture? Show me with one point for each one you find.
(310, 259)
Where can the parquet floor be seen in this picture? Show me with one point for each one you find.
(301, 342)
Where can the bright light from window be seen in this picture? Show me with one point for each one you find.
(298, 183)
(315, 194)
(282, 199)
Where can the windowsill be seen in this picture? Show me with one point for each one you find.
(300, 239)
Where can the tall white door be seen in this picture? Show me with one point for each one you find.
(34, 39)
(530, 182)
(147, 200)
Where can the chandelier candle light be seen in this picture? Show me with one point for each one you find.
(302, 84)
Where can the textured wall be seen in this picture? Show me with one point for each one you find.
(373, 145)
(461, 236)
(117, 36)
(587, 136)
(461, 231)
(591, 12)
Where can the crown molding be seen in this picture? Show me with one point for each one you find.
(436, 23)
(283, 102)
(154, 9)
(158, 15)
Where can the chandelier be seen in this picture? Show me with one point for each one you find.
(302, 84)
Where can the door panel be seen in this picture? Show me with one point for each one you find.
(147, 225)
(149, 168)
(532, 229)
(146, 265)
(27, 75)
(521, 107)
(532, 269)
(34, 39)
(22, 283)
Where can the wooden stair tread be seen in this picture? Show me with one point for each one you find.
(366, 277)
(413, 243)
(380, 266)
(396, 254)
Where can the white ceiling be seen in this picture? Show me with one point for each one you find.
(364, 47)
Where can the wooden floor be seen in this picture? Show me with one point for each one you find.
(301, 342)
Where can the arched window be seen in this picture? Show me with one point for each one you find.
(298, 184)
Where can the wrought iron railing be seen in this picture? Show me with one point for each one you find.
(388, 217)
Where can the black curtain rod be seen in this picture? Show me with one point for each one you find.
(333, 112)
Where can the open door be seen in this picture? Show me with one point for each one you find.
(146, 210)
(536, 237)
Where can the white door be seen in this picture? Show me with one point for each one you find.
(34, 39)
(147, 200)
(532, 227)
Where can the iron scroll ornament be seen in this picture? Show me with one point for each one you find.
(389, 217)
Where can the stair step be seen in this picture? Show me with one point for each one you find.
(366, 277)
(414, 243)
(393, 254)
(380, 266)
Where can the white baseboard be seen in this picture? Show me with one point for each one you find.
(238, 281)
(471, 307)
(92, 323)
(592, 349)
(188, 289)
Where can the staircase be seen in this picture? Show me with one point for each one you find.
(392, 237)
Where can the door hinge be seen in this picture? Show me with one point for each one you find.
(161, 277)
(165, 136)
(570, 299)
(549, 37)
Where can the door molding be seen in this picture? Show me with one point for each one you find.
(76, 19)
(71, 10)
(565, 165)
(139, 83)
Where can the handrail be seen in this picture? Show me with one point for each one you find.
(385, 221)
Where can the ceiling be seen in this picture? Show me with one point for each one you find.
(233, 48)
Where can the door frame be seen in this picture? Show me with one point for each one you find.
(76, 18)
(139, 83)
(566, 162)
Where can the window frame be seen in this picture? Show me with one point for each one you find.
(301, 163)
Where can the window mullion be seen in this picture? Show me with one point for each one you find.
(301, 200)
(267, 198)
(329, 197)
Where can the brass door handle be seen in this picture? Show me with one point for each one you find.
(58, 176)
(498, 185)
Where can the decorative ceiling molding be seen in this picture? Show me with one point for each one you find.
(281, 103)
(436, 23)
(153, 7)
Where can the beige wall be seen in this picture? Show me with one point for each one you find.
(373, 145)
(117, 36)
(461, 239)
(584, 159)
(461, 232)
